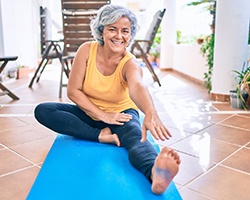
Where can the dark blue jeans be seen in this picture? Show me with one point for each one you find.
(69, 119)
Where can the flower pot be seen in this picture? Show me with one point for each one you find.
(248, 101)
(23, 72)
(157, 60)
(236, 101)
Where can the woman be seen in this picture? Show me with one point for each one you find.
(106, 87)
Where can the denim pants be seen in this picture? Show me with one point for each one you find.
(69, 119)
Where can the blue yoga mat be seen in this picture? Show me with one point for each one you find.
(82, 170)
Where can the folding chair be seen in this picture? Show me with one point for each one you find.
(140, 48)
(5, 90)
(50, 49)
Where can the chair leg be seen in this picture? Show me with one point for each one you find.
(66, 68)
(8, 92)
(36, 72)
(44, 57)
(61, 76)
(40, 74)
(149, 66)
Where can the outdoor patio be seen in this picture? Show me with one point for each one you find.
(212, 138)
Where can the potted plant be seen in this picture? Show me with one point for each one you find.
(155, 50)
(240, 97)
(22, 71)
(155, 54)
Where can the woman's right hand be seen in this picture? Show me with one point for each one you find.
(116, 118)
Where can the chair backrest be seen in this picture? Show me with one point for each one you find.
(45, 27)
(76, 15)
(150, 35)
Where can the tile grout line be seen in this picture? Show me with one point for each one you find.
(7, 148)
(16, 115)
(16, 105)
(197, 192)
(216, 165)
(236, 127)
(19, 170)
(237, 170)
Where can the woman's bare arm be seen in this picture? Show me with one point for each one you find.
(141, 97)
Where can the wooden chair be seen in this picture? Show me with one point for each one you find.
(140, 48)
(76, 16)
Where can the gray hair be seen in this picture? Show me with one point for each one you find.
(109, 14)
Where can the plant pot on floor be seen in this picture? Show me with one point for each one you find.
(22, 72)
(236, 101)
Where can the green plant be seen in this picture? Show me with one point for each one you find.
(244, 71)
(155, 49)
(207, 50)
(243, 82)
(178, 36)
(207, 47)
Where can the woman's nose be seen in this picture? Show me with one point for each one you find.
(119, 34)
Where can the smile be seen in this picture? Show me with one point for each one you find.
(117, 42)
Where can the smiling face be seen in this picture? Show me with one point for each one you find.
(116, 36)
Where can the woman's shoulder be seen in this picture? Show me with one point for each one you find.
(85, 45)
(84, 48)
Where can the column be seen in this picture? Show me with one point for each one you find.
(231, 48)
(1, 33)
(168, 34)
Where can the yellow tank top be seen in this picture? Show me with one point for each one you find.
(109, 93)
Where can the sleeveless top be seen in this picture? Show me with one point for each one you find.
(109, 93)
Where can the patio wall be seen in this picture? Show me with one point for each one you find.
(20, 36)
(188, 60)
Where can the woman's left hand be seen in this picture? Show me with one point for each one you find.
(156, 127)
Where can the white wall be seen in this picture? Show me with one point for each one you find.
(1, 33)
(187, 59)
(20, 31)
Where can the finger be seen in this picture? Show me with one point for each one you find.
(154, 134)
(166, 133)
(122, 119)
(127, 115)
(118, 123)
(144, 134)
(159, 133)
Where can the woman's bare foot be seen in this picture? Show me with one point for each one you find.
(165, 168)
(106, 136)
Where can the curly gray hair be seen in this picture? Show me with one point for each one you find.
(109, 14)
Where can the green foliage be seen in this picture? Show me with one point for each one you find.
(208, 3)
(207, 47)
(243, 82)
(249, 37)
(207, 50)
(157, 38)
(156, 46)
(178, 36)
(243, 75)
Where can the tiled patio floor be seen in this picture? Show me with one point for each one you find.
(212, 138)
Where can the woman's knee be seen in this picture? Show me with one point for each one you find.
(42, 111)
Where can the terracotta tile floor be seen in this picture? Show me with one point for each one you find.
(212, 138)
